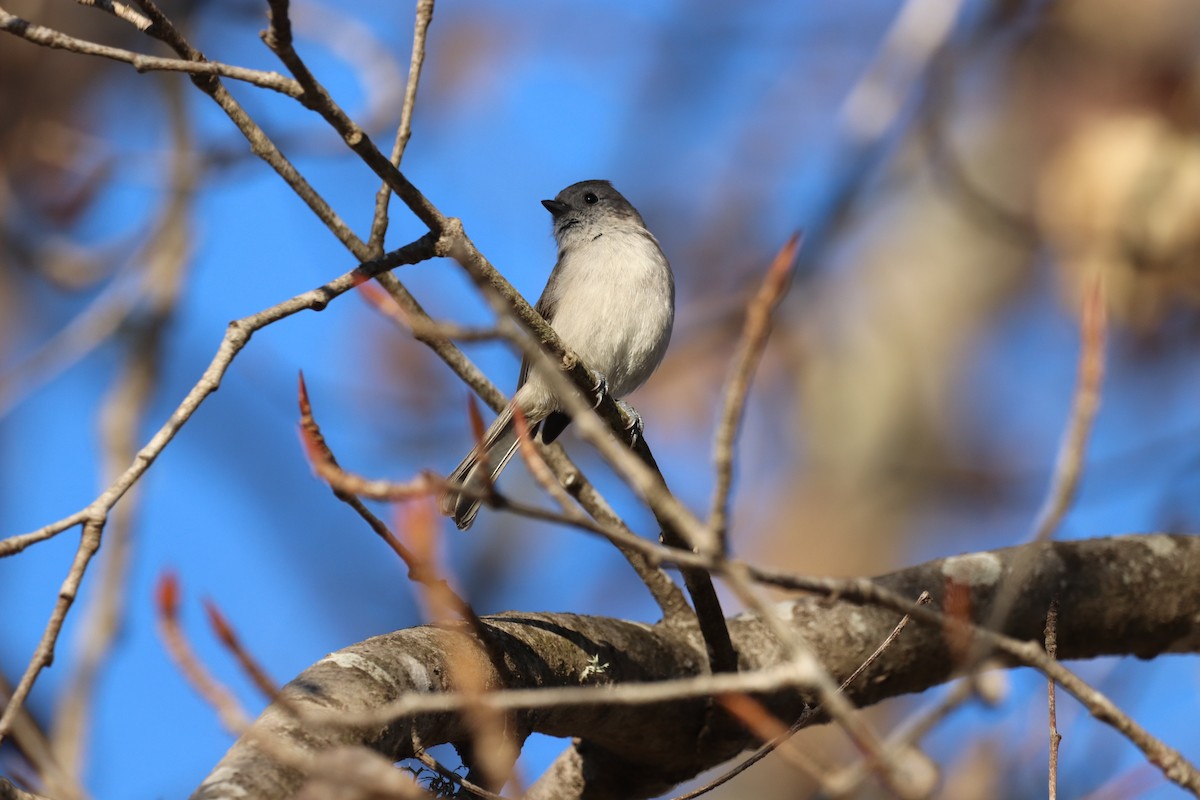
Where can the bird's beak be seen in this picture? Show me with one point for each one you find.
(556, 207)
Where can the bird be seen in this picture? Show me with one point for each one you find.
(611, 299)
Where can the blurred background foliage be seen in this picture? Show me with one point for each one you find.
(962, 170)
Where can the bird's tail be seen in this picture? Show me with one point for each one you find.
(498, 445)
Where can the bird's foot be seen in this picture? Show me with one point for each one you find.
(635, 426)
(599, 389)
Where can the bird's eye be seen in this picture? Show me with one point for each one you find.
(590, 199)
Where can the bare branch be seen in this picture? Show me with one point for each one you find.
(1051, 712)
(1068, 466)
(424, 16)
(750, 349)
(228, 709)
(1170, 761)
(120, 11)
(48, 37)
(43, 655)
(260, 143)
(226, 635)
(94, 517)
(376, 689)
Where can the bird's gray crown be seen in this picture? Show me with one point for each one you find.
(587, 202)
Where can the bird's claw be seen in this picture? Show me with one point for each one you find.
(635, 426)
(600, 388)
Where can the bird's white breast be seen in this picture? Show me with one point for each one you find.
(614, 305)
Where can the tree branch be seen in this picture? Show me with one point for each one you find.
(1126, 595)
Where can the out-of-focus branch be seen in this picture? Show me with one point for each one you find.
(419, 570)
(166, 259)
(422, 327)
(917, 726)
(216, 694)
(34, 745)
(1068, 466)
(917, 32)
(10, 792)
(745, 362)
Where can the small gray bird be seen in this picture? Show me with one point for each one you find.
(610, 297)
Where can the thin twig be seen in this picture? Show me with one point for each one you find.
(1170, 761)
(472, 788)
(421, 327)
(922, 600)
(539, 469)
(120, 11)
(43, 655)
(1052, 715)
(95, 515)
(48, 37)
(250, 665)
(260, 143)
(229, 710)
(769, 746)
(832, 700)
(1064, 484)
(1068, 465)
(424, 15)
(750, 349)
(278, 37)
(769, 729)
(379, 223)
(15, 544)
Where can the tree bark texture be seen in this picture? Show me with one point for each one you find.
(1124, 595)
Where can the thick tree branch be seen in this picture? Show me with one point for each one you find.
(1126, 595)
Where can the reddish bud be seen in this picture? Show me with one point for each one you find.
(218, 623)
(166, 595)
